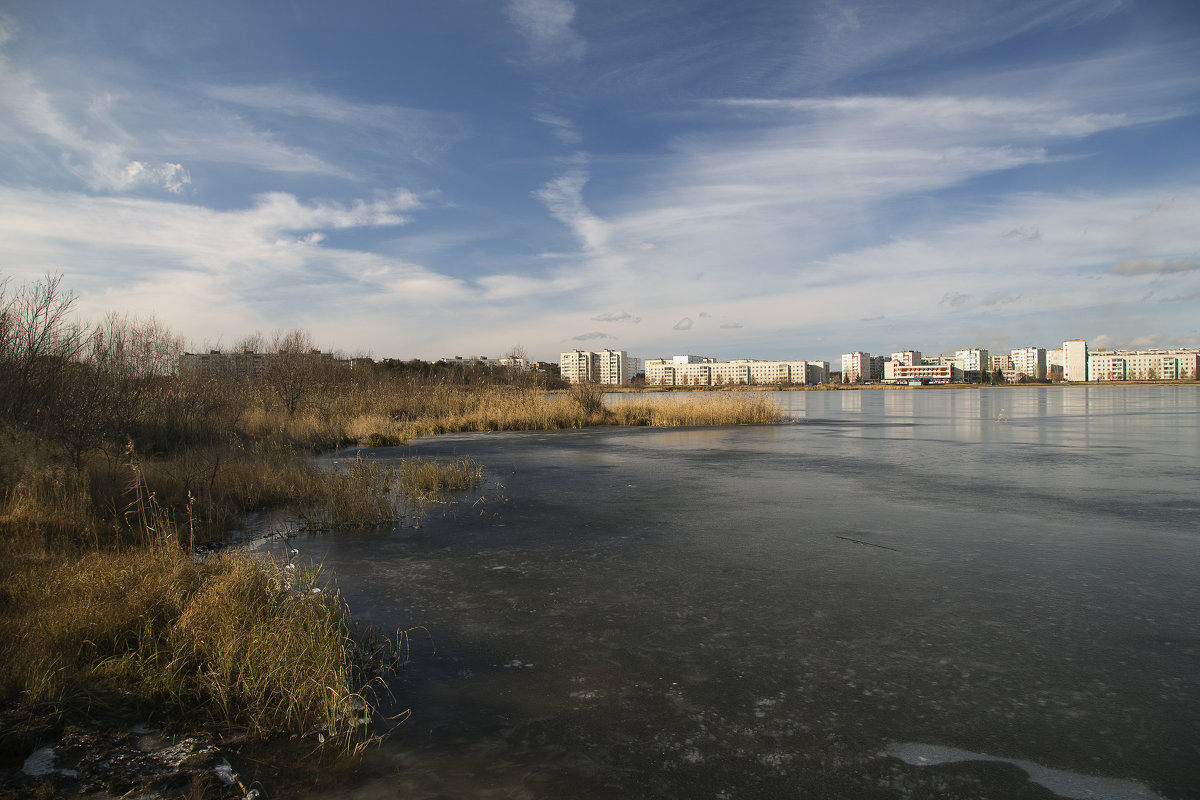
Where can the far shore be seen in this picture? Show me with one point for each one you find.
(839, 387)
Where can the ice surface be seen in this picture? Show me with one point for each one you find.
(1061, 782)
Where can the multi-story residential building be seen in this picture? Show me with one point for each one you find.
(1002, 364)
(576, 366)
(609, 367)
(908, 358)
(1056, 363)
(924, 373)
(1144, 365)
(1030, 362)
(697, 371)
(1105, 365)
(215, 364)
(856, 367)
(877, 366)
(613, 368)
(1075, 360)
(973, 362)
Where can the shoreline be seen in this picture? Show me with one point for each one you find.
(873, 387)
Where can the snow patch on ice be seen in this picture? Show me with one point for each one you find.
(1059, 781)
(40, 763)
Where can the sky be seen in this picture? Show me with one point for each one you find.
(753, 179)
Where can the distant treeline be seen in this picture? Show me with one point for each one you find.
(467, 372)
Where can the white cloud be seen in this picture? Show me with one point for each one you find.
(947, 117)
(65, 121)
(618, 316)
(206, 269)
(1156, 266)
(546, 26)
(563, 196)
(1149, 340)
(1025, 234)
(954, 299)
(563, 129)
(391, 129)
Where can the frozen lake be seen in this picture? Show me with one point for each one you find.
(957, 593)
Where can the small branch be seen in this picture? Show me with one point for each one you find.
(869, 544)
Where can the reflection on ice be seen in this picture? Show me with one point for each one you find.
(1061, 782)
(756, 612)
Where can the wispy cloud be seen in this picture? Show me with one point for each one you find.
(1156, 266)
(953, 299)
(208, 266)
(546, 26)
(1024, 234)
(563, 196)
(112, 139)
(588, 337)
(83, 142)
(563, 129)
(731, 325)
(684, 324)
(395, 130)
(617, 316)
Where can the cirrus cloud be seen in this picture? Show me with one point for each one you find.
(1156, 266)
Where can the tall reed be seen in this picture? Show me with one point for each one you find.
(245, 641)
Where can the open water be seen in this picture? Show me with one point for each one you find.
(960, 593)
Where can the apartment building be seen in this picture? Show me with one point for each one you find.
(215, 364)
(924, 373)
(878, 365)
(908, 358)
(703, 371)
(608, 367)
(1075, 360)
(856, 367)
(1029, 362)
(973, 362)
(1143, 365)
(1002, 364)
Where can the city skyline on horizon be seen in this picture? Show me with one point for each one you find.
(676, 176)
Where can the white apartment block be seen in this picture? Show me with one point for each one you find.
(1075, 360)
(973, 360)
(1030, 362)
(924, 373)
(1143, 365)
(877, 366)
(214, 363)
(698, 371)
(856, 367)
(1004, 365)
(908, 358)
(608, 367)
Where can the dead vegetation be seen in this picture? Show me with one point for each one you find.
(114, 465)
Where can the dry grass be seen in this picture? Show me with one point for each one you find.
(249, 642)
(427, 479)
(441, 409)
(246, 640)
(100, 597)
(364, 494)
(706, 409)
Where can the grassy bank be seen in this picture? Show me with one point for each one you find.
(114, 466)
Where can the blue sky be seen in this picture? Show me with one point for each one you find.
(758, 179)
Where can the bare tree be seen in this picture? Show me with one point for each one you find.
(36, 341)
(296, 369)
